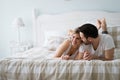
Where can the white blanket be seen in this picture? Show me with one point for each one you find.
(38, 64)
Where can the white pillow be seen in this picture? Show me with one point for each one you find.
(53, 39)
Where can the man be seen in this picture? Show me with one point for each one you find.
(102, 44)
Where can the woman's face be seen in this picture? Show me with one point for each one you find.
(76, 40)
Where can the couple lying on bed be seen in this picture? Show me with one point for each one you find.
(86, 43)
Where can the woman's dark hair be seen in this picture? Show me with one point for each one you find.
(89, 30)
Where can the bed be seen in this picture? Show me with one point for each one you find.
(49, 30)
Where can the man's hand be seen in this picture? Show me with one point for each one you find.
(87, 55)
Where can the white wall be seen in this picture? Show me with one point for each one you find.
(10, 9)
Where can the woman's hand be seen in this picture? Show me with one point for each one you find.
(65, 57)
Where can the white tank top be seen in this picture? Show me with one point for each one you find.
(74, 54)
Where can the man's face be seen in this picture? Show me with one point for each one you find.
(84, 39)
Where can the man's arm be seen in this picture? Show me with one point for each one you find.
(109, 48)
(109, 54)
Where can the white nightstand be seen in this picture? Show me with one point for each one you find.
(16, 47)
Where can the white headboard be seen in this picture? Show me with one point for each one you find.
(65, 21)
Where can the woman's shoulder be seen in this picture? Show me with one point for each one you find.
(66, 43)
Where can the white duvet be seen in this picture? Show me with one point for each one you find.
(38, 64)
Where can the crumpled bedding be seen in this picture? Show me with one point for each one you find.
(38, 64)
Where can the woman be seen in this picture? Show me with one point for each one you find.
(69, 49)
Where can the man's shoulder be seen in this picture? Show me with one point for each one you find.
(106, 36)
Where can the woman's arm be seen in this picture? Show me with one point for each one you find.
(79, 56)
(60, 50)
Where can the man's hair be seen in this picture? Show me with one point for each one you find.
(89, 30)
(77, 31)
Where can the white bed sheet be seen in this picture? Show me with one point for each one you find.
(38, 64)
(34, 53)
